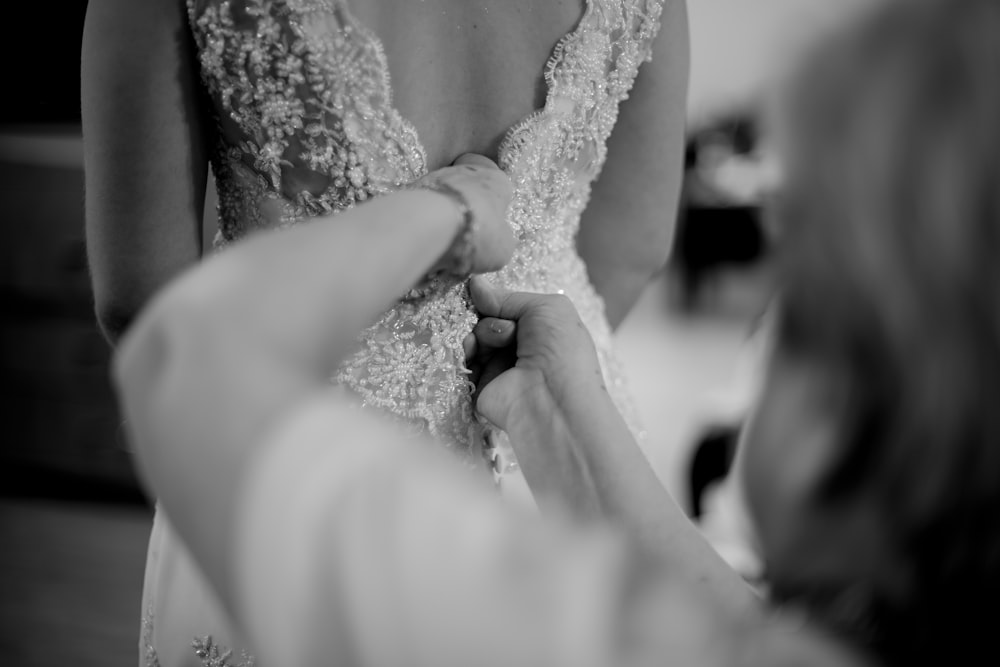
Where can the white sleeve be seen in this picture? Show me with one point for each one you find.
(360, 546)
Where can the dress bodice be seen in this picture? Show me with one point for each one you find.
(306, 127)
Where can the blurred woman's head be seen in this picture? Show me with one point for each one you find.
(873, 463)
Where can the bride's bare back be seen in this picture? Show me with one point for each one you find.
(463, 72)
(289, 101)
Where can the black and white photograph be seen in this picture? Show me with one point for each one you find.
(500, 333)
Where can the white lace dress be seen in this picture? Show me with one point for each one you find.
(306, 127)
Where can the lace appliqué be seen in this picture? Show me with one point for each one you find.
(208, 652)
(306, 128)
(211, 655)
(555, 154)
(146, 645)
(304, 109)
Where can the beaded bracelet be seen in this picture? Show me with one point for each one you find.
(462, 253)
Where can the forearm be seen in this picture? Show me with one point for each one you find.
(122, 292)
(627, 229)
(303, 294)
(602, 471)
(583, 455)
(266, 320)
(224, 353)
(626, 236)
(146, 142)
(620, 285)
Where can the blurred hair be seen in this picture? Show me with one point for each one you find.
(890, 249)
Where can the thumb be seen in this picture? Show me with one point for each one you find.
(485, 297)
(492, 301)
(498, 399)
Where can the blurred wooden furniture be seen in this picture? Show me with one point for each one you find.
(721, 249)
(62, 434)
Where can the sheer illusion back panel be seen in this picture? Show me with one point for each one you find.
(303, 108)
(307, 127)
(463, 73)
(305, 87)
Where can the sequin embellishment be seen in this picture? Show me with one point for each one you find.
(306, 127)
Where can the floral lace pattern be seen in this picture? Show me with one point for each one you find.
(209, 654)
(306, 127)
(555, 154)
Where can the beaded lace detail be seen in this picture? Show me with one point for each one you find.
(306, 127)
(209, 654)
(555, 154)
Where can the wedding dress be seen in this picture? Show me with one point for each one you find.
(306, 127)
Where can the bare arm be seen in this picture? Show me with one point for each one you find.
(627, 229)
(541, 382)
(226, 350)
(145, 153)
(360, 546)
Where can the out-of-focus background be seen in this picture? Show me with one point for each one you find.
(73, 517)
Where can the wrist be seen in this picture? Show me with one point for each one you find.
(460, 258)
(575, 411)
(549, 453)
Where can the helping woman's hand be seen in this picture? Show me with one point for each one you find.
(538, 379)
(476, 183)
(526, 346)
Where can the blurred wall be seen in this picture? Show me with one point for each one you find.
(62, 432)
(62, 435)
(41, 52)
(739, 46)
(60, 415)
